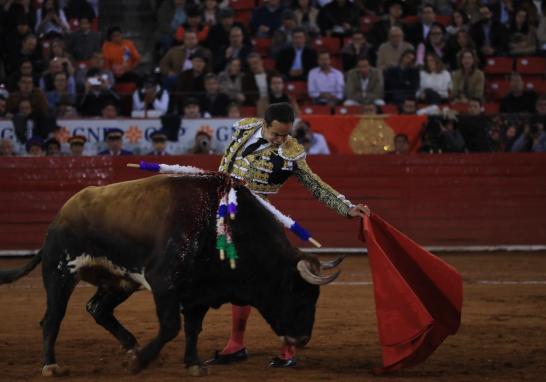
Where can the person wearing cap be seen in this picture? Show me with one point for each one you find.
(159, 143)
(77, 143)
(114, 143)
(34, 147)
(151, 96)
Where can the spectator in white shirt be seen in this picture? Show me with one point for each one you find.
(435, 82)
(325, 84)
(151, 96)
(314, 143)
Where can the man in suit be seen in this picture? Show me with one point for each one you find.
(295, 61)
(364, 83)
(213, 101)
(114, 143)
(418, 33)
(489, 35)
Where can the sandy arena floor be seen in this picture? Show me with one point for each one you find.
(502, 336)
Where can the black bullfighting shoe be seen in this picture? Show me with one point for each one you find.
(278, 362)
(226, 359)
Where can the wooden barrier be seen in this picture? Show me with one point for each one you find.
(443, 200)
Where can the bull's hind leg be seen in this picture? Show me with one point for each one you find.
(193, 320)
(101, 306)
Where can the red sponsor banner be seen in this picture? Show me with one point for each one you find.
(338, 129)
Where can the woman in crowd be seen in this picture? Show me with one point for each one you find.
(523, 36)
(434, 81)
(468, 80)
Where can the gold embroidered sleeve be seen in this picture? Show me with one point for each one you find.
(320, 189)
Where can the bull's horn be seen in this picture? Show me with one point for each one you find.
(311, 278)
(331, 264)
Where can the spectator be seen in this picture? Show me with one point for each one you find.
(401, 144)
(203, 142)
(14, 12)
(518, 100)
(192, 109)
(28, 123)
(283, 35)
(236, 49)
(523, 36)
(190, 83)
(380, 30)
(277, 94)
(489, 35)
(29, 50)
(364, 83)
(96, 65)
(3, 110)
(254, 83)
(468, 81)
(450, 139)
(58, 50)
(503, 11)
(231, 81)
(159, 143)
(78, 9)
(194, 23)
(408, 106)
(296, 61)
(338, 18)
(120, 55)
(151, 96)
(356, 49)
(110, 109)
(76, 144)
(211, 12)
(434, 81)
(403, 80)
(234, 111)
(474, 126)
(434, 43)
(541, 32)
(389, 52)
(325, 84)
(51, 20)
(267, 18)
(55, 67)
(313, 142)
(25, 68)
(306, 16)
(213, 101)
(171, 14)
(471, 8)
(532, 139)
(84, 42)
(418, 33)
(219, 34)
(7, 148)
(27, 91)
(12, 41)
(52, 148)
(96, 95)
(34, 147)
(60, 92)
(114, 143)
(369, 108)
(459, 22)
(454, 46)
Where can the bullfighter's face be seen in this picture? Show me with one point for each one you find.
(277, 133)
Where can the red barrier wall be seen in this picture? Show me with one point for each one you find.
(489, 199)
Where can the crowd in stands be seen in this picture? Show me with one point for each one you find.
(234, 57)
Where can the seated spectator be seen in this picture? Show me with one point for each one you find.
(51, 20)
(159, 143)
(468, 81)
(190, 83)
(295, 61)
(339, 18)
(434, 81)
(434, 43)
(364, 83)
(84, 42)
(213, 101)
(195, 24)
(192, 109)
(408, 107)
(403, 80)
(16, 11)
(325, 84)
(418, 33)
(96, 65)
(34, 147)
(459, 22)
(120, 55)
(389, 52)
(58, 50)
(219, 34)
(76, 144)
(380, 30)
(276, 94)
(254, 83)
(283, 35)
(96, 95)
(203, 142)
(60, 91)
(3, 110)
(523, 36)
(231, 81)
(518, 100)
(27, 91)
(354, 50)
(12, 40)
(306, 16)
(451, 140)
(313, 142)
(25, 68)
(56, 66)
(171, 14)
(114, 143)
(211, 10)
(236, 49)
(474, 126)
(541, 31)
(234, 111)
(489, 35)
(66, 108)
(532, 139)
(78, 9)
(454, 46)
(110, 109)
(267, 18)
(29, 50)
(471, 8)
(400, 144)
(52, 148)
(151, 96)
(28, 123)
(7, 148)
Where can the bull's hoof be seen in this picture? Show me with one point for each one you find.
(278, 362)
(132, 362)
(197, 371)
(54, 370)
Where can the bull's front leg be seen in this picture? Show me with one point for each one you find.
(193, 320)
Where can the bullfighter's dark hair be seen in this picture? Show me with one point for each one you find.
(281, 112)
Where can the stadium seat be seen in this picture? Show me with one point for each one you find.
(389, 108)
(297, 89)
(491, 108)
(316, 109)
(531, 65)
(269, 64)
(348, 110)
(239, 5)
(443, 20)
(243, 17)
(408, 20)
(459, 107)
(248, 111)
(499, 65)
(261, 45)
(496, 89)
(538, 85)
(331, 44)
(125, 88)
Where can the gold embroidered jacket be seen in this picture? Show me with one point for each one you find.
(266, 169)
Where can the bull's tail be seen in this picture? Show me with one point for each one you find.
(10, 275)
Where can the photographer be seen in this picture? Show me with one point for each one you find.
(203, 141)
(97, 94)
(314, 143)
(532, 139)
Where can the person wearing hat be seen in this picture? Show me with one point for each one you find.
(151, 96)
(159, 143)
(52, 148)
(34, 147)
(114, 143)
(77, 143)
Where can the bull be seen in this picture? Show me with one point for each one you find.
(159, 233)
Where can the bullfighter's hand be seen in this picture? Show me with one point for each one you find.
(360, 210)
